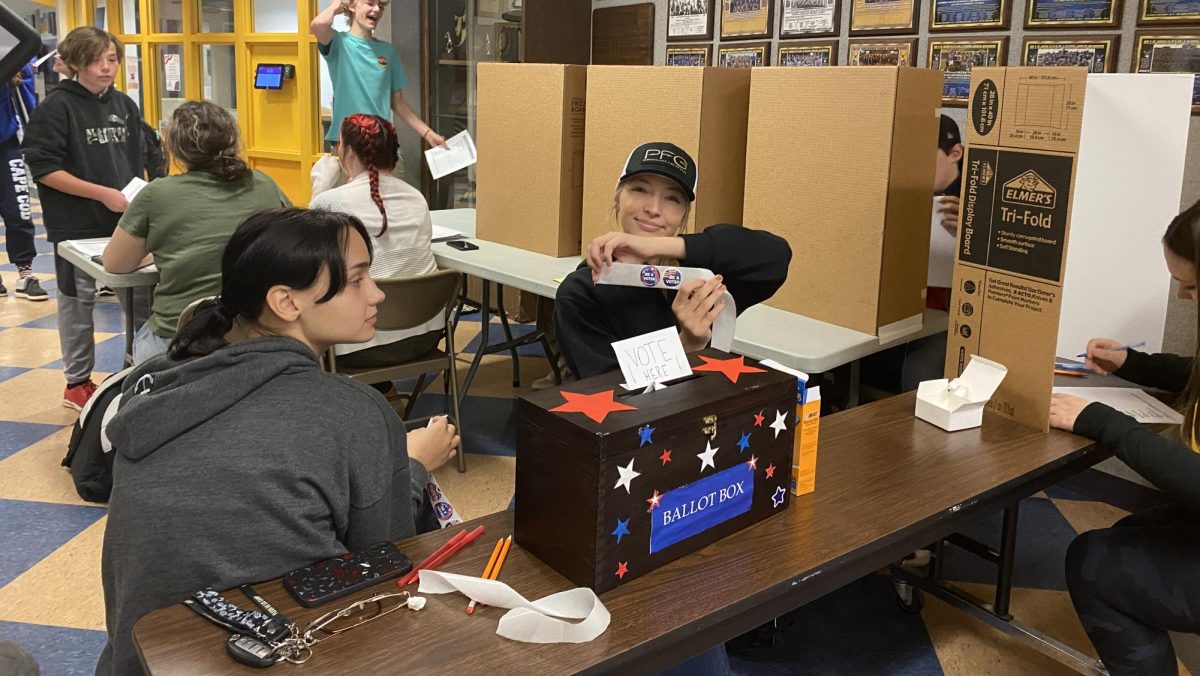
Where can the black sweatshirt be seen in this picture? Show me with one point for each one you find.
(94, 138)
(588, 318)
(1170, 465)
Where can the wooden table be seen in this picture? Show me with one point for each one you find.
(864, 514)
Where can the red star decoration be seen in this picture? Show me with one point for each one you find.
(732, 368)
(665, 457)
(595, 406)
(654, 500)
(771, 471)
(753, 461)
(758, 419)
(622, 568)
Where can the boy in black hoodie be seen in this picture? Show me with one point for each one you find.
(83, 145)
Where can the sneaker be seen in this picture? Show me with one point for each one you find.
(77, 396)
(102, 290)
(30, 288)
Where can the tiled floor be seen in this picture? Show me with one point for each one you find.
(51, 603)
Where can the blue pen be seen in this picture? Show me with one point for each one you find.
(1118, 349)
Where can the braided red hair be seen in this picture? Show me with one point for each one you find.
(373, 140)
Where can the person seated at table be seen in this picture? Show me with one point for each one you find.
(185, 220)
(237, 458)
(1132, 583)
(653, 199)
(397, 217)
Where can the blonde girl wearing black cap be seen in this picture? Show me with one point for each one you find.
(651, 206)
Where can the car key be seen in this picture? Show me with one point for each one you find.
(250, 651)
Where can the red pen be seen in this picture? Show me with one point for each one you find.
(442, 554)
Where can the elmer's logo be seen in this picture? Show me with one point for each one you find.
(649, 275)
(1029, 189)
(383, 62)
(672, 277)
(664, 156)
(986, 173)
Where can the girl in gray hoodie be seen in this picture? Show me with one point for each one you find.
(238, 458)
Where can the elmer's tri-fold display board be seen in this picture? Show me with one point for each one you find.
(1026, 146)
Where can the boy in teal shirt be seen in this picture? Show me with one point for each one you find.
(367, 74)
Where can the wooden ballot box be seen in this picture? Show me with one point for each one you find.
(612, 484)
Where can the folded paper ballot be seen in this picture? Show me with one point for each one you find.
(958, 404)
(541, 621)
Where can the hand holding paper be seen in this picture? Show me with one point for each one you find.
(459, 155)
(664, 277)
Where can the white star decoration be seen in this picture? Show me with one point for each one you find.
(706, 458)
(779, 425)
(627, 476)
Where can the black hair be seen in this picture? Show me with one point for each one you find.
(1182, 238)
(948, 134)
(288, 247)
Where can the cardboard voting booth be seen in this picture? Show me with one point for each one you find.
(840, 163)
(1020, 200)
(529, 180)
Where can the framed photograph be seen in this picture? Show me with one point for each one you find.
(746, 19)
(689, 55)
(882, 53)
(969, 15)
(490, 8)
(956, 58)
(745, 55)
(508, 42)
(809, 18)
(1081, 13)
(883, 17)
(1157, 52)
(1097, 53)
(689, 20)
(1160, 12)
(808, 54)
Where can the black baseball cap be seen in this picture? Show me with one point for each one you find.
(664, 159)
(948, 135)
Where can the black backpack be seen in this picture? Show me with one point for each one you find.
(89, 453)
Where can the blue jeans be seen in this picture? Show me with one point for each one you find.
(147, 344)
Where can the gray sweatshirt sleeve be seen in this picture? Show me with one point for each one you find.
(391, 514)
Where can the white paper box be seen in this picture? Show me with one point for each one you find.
(958, 404)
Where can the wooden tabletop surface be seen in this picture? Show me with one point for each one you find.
(886, 483)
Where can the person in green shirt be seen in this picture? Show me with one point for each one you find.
(184, 221)
(367, 74)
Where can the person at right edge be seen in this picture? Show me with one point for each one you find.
(1135, 581)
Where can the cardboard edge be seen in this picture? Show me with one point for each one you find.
(723, 138)
(905, 256)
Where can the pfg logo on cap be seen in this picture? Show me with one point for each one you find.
(672, 277)
(650, 275)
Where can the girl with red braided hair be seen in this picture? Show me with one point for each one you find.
(397, 217)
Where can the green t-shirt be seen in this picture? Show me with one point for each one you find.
(186, 221)
(364, 75)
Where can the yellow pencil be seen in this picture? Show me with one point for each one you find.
(487, 571)
(500, 561)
